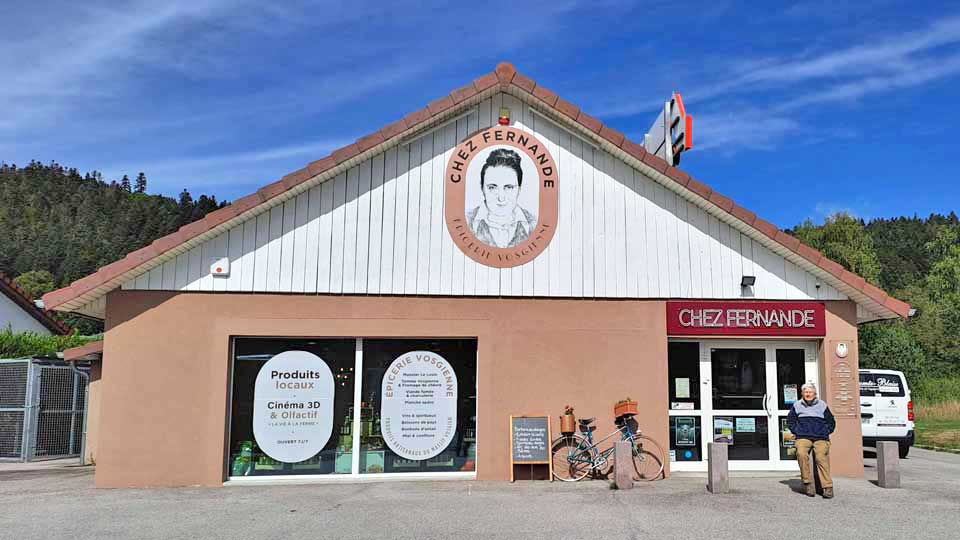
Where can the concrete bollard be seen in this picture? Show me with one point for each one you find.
(888, 464)
(718, 474)
(623, 465)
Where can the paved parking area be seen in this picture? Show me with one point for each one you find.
(48, 503)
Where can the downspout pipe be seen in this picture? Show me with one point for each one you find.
(86, 409)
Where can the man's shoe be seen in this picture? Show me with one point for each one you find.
(828, 493)
(810, 489)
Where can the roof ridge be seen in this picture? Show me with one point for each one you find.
(505, 76)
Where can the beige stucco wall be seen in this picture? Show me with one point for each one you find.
(164, 399)
(165, 385)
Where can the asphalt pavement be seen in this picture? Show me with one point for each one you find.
(60, 502)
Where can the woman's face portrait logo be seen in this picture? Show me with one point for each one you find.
(501, 189)
(499, 219)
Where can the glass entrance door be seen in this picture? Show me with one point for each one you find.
(738, 379)
(745, 392)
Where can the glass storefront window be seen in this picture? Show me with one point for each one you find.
(683, 373)
(292, 406)
(739, 378)
(746, 435)
(246, 456)
(421, 418)
(790, 376)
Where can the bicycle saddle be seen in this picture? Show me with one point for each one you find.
(586, 421)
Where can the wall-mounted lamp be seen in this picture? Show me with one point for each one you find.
(748, 281)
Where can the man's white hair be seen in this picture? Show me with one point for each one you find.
(809, 385)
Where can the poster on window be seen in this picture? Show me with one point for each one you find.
(723, 430)
(786, 442)
(293, 406)
(686, 431)
(746, 425)
(789, 394)
(418, 411)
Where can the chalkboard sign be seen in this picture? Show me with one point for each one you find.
(530, 442)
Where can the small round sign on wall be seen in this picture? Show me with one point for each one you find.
(502, 197)
(293, 406)
(418, 411)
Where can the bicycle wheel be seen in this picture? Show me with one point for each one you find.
(647, 459)
(572, 458)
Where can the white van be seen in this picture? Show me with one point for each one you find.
(886, 410)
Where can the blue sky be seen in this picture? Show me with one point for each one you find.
(799, 111)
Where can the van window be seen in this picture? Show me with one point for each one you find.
(885, 384)
(889, 385)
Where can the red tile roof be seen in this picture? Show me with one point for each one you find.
(507, 78)
(20, 297)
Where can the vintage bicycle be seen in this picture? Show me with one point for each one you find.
(575, 456)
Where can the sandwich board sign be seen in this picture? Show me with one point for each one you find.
(530, 442)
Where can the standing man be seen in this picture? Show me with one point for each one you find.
(811, 422)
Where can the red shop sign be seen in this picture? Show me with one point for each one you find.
(719, 318)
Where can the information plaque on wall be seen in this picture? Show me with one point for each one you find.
(844, 384)
(530, 442)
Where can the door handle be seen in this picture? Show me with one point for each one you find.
(766, 397)
(866, 405)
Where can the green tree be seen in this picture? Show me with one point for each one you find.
(890, 345)
(36, 283)
(939, 321)
(140, 186)
(68, 224)
(844, 239)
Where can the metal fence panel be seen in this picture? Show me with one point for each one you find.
(11, 434)
(14, 377)
(60, 413)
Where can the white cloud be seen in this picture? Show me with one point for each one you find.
(859, 208)
(255, 167)
(53, 64)
(781, 88)
(743, 129)
(908, 75)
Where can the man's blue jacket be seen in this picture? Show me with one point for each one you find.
(811, 420)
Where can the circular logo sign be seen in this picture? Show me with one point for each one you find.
(293, 406)
(418, 411)
(502, 197)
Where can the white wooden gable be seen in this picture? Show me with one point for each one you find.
(379, 228)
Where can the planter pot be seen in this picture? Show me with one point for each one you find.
(628, 408)
(568, 424)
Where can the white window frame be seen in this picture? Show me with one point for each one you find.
(706, 411)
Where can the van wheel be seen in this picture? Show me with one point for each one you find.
(904, 450)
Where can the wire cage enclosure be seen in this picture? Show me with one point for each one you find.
(43, 406)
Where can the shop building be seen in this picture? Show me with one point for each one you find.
(383, 312)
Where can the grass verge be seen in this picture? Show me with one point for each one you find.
(938, 425)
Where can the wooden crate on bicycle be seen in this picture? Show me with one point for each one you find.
(625, 407)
